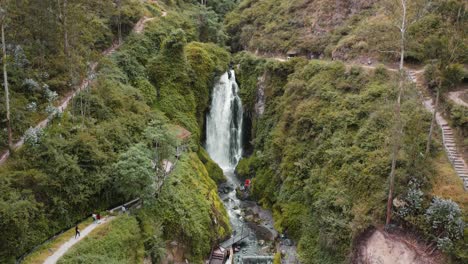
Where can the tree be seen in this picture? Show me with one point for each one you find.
(162, 143)
(209, 26)
(119, 18)
(134, 173)
(62, 17)
(403, 13)
(5, 78)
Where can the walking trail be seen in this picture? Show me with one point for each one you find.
(138, 28)
(448, 140)
(72, 241)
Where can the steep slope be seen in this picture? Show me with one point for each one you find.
(322, 152)
(110, 144)
(357, 29)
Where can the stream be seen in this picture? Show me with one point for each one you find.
(224, 145)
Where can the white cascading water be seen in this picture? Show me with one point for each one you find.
(224, 123)
(224, 145)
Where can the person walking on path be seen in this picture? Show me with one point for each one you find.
(77, 232)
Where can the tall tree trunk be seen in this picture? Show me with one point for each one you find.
(62, 16)
(398, 132)
(119, 24)
(433, 121)
(65, 30)
(7, 94)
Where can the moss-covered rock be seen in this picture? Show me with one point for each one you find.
(215, 172)
(190, 209)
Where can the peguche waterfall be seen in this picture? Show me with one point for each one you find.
(224, 123)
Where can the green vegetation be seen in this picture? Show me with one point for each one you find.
(344, 29)
(190, 210)
(321, 149)
(111, 142)
(323, 139)
(41, 58)
(215, 172)
(44, 251)
(119, 241)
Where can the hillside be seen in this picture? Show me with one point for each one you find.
(292, 131)
(109, 145)
(344, 30)
(321, 152)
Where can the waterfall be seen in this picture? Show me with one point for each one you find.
(224, 123)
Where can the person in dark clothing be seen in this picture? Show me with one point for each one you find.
(77, 232)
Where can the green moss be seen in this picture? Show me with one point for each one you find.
(246, 168)
(190, 209)
(215, 172)
(321, 153)
(277, 259)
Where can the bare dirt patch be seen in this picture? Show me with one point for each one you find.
(380, 247)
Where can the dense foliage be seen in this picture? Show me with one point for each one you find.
(190, 209)
(109, 146)
(324, 139)
(50, 46)
(344, 29)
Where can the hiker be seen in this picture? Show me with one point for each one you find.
(123, 210)
(94, 218)
(98, 217)
(77, 232)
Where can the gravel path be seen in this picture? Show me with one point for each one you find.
(72, 241)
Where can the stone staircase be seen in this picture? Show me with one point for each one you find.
(450, 146)
(448, 139)
(454, 156)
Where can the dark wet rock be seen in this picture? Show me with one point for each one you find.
(262, 232)
(287, 242)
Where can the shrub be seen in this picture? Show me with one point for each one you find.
(445, 219)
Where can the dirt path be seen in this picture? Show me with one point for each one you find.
(457, 97)
(138, 28)
(72, 241)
